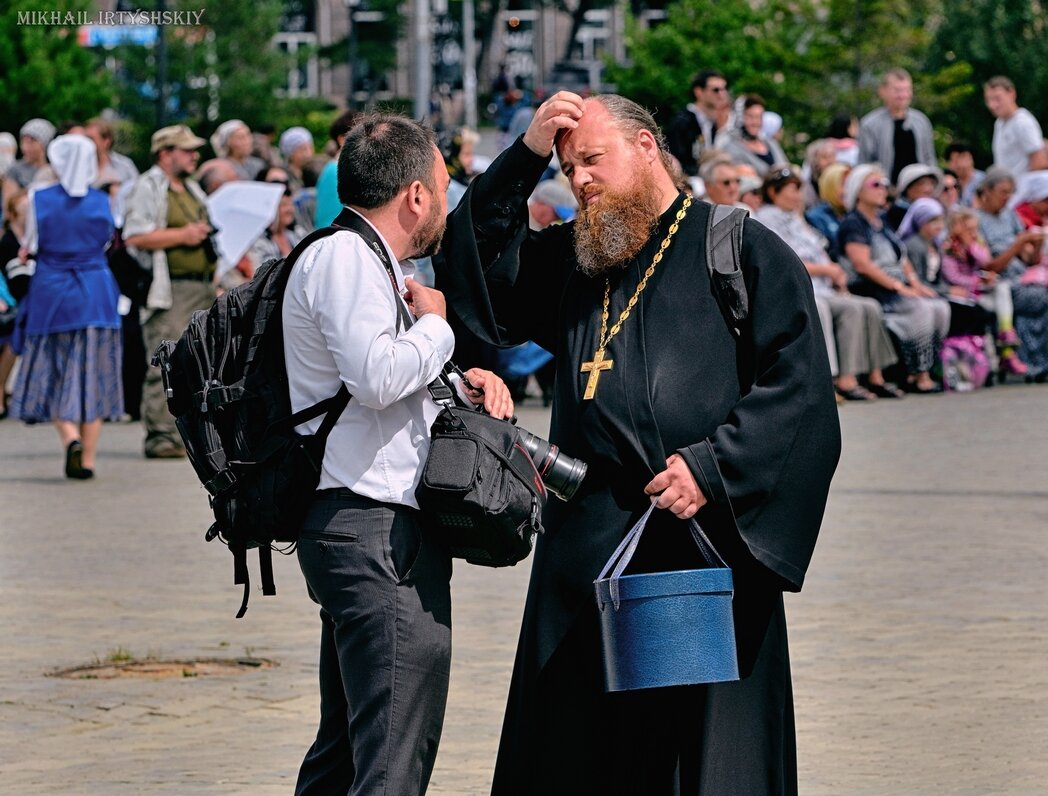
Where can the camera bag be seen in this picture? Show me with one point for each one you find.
(480, 494)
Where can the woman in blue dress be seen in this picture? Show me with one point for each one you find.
(68, 329)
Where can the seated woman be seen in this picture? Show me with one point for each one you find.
(1030, 299)
(1003, 231)
(853, 326)
(916, 181)
(826, 216)
(921, 229)
(966, 272)
(746, 143)
(912, 310)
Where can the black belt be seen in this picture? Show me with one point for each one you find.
(351, 499)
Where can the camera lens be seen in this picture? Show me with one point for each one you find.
(560, 473)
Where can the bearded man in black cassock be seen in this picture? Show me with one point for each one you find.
(664, 405)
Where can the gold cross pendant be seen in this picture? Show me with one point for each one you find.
(594, 369)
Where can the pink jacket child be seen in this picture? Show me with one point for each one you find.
(965, 260)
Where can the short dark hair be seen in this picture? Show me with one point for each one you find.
(750, 100)
(383, 154)
(1000, 81)
(958, 146)
(343, 124)
(778, 177)
(839, 126)
(702, 78)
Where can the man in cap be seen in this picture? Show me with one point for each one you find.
(167, 228)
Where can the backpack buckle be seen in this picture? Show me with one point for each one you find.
(220, 482)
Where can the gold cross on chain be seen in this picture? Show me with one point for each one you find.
(594, 369)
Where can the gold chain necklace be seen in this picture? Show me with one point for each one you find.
(599, 363)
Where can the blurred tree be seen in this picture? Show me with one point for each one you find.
(991, 38)
(44, 71)
(810, 60)
(224, 69)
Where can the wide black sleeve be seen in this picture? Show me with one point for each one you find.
(500, 279)
(770, 462)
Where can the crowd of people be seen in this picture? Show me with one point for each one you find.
(904, 250)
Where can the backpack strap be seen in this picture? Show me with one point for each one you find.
(724, 263)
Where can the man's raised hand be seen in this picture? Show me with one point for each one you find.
(562, 111)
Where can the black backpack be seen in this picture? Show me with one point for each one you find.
(724, 264)
(227, 387)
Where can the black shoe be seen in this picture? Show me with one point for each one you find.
(74, 459)
(856, 393)
(885, 390)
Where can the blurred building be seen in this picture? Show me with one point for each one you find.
(527, 40)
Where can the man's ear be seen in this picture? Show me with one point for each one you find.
(416, 198)
(648, 145)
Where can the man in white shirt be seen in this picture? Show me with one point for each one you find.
(1018, 143)
(383, 588)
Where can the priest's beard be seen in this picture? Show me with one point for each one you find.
(425, 240)
(610, 233)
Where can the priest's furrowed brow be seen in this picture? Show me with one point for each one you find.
(589, 160)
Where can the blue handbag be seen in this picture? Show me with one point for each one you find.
(666, 628)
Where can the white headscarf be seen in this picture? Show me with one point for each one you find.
(75, 161)
(220, 138)
(8, 148)
(1032, 187)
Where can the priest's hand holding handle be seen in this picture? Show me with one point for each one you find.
(560, 112)
(675, 489)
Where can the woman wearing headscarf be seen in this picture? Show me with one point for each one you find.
(68, 329)
(232, 141)
(913, 312)
(923, 230)
(34, 137)
(826, 216)
(746, 143)
(853, 325)
(1031, 199)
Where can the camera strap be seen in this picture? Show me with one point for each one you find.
(441, 388)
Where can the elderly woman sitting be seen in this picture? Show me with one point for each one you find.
(1012, 248)
(921, 230)
(914, 312)
(853, 326)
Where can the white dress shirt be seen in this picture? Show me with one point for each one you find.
(340, 324)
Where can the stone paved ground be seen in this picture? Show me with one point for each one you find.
(919, 644)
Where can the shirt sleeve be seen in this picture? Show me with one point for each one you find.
(349, 295)
(852, 230)
(140, 216)
(1028, 135)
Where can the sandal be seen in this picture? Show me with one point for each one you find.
(885, 390)
(856, 393)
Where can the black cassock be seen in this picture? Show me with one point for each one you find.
(756, 422)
